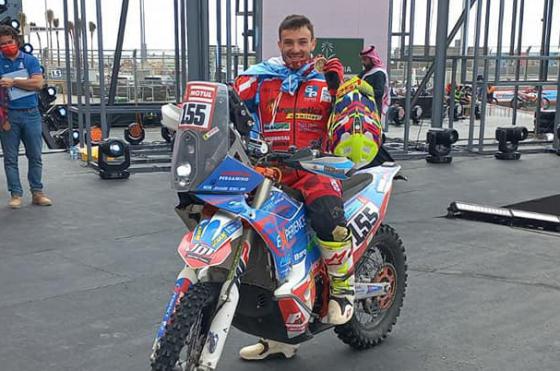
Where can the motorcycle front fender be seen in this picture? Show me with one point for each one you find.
(210, 243)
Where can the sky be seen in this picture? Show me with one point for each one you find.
(532, 25)
(159, 20)
(160, 31)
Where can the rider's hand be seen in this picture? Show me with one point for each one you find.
(334, 74)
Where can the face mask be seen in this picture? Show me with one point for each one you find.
(9, 50)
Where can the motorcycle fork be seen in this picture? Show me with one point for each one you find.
(229, 294)
(186, 278)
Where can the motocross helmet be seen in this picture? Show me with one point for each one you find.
(355, 125)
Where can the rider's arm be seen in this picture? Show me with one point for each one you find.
(246, 87)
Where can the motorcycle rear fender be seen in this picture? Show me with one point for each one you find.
(366, 210)
(210, 242)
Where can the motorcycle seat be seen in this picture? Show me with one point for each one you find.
(354, 184)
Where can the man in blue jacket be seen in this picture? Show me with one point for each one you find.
(23, 116)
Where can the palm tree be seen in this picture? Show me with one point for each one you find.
(56, 23)
(50, 17)
(78, 36)
(70, 29)
(33, 24)
(22, 22)
(92, 28)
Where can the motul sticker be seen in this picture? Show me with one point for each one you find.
(198, 108)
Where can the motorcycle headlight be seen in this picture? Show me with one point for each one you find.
(184, 171)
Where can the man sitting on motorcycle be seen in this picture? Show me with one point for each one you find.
(291, 102)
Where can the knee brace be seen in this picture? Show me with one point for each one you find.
(327, 218)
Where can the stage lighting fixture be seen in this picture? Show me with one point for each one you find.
(439, 145)
(508, 142)
(134, 133)
(96, 134)
(3, 6)
(15, 24)
(113, 159)
(47, 96)
(60, 112)
(56, 118)
(502, 215)
(66, 138)
(27, 48)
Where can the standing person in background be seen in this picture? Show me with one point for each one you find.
(374, 73)
(23, 116)
(4, 122)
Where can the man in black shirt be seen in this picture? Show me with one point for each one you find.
(374, 74)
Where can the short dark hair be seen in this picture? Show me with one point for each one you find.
(6, 30)
(294, 22)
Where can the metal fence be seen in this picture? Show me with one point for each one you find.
(422, 72)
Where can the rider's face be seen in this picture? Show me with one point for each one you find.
(296, 46)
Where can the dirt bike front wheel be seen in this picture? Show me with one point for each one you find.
(179, 349)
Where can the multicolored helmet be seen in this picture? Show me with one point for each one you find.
(355, 125)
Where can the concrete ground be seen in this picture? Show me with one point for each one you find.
(83, 283)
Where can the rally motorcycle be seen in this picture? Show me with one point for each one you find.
(252, 261)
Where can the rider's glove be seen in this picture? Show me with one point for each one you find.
(334, 74)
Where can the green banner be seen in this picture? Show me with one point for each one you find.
(347, 50)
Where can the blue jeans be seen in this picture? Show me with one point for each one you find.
(26, 128)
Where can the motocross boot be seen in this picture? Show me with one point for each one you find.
(266, 348)
(339, 262)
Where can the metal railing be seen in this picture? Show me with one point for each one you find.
(470, 63)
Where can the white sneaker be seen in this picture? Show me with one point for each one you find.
(266, 348)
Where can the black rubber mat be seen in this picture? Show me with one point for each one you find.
(545, 205)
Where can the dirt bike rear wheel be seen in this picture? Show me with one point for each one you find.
(383, 261)
(187, 329)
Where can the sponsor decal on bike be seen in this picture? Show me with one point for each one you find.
(234, 176)
(292, 229)
(201, 253)
(181, 287)
(296, 319)
(299, 256)
(211, 133)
